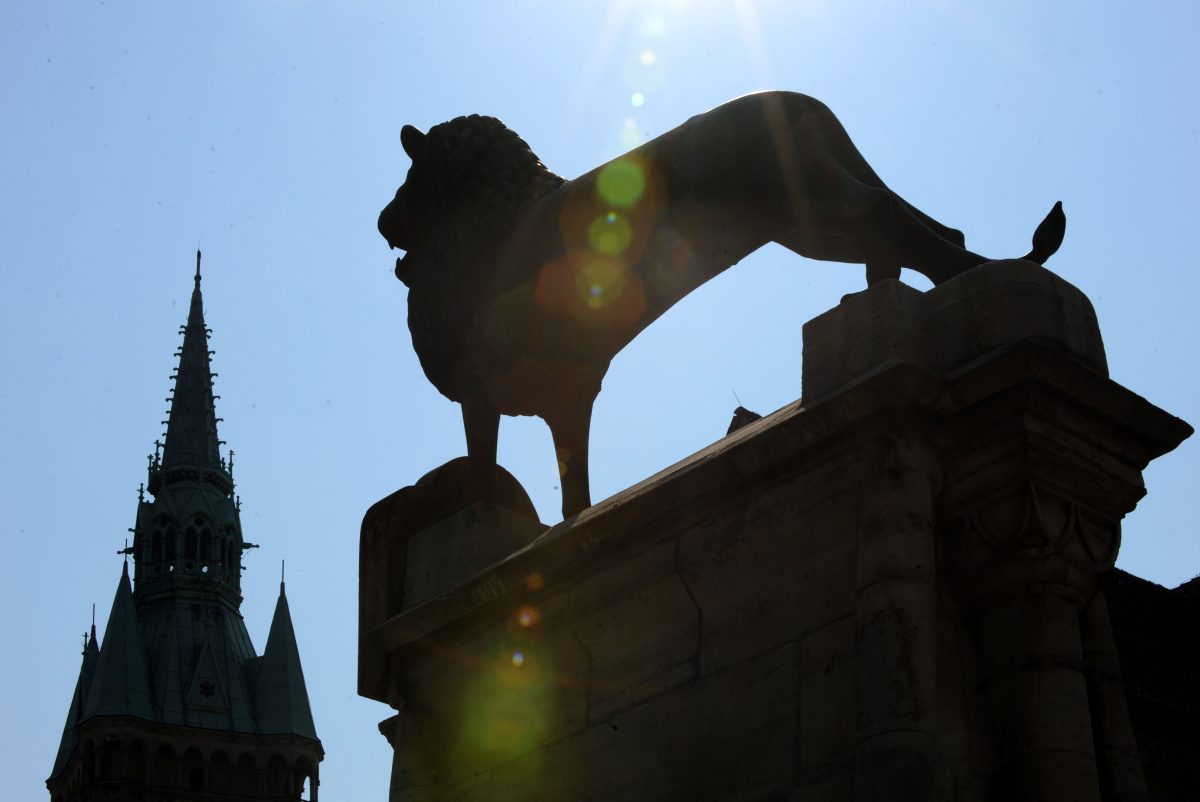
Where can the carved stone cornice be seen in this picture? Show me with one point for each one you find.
(1025, 535)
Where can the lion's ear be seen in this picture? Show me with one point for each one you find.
(412, 139)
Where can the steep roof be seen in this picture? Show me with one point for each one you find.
(280, 696)
(121, 685)
(192, 420)
(91, 654)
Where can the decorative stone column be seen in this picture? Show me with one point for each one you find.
(1022, 465)
(1043, 459)
(895, 625)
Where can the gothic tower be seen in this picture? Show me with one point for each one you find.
(174, 704)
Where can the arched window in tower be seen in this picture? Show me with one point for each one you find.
(220, 773)
(189, 548)
(88, 764)
(193, 770)
(245, 776)
(162, 546)
(304, 776)
(279, 779)
(137, 761)
(206, 556)
(166, 767)
(110, 752)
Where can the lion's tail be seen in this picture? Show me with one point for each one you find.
(1049, 235)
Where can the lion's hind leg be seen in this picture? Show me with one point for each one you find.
(945, 232)
(858, 170)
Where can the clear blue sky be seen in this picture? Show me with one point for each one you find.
(267, 131)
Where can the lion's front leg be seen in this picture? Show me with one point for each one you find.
(481, 424)
(571, 428)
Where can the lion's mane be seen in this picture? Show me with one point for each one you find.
(474, 177)
(467, 188)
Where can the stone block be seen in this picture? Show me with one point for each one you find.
(895, 649)
(827, 697)
(985, 309)
(769, 587)
(728, 736)
(639, 627)
(443, 555)
(496, 692)
(833, 789)
(823, 499)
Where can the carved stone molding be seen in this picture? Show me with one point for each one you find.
(1030, 533)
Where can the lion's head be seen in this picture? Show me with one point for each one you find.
(469, 180)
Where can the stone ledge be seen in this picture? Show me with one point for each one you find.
(905, 554)
(995, 305)
(659, 503)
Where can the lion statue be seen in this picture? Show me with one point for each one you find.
(523, 286)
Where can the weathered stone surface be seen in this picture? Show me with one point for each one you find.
(1120, 767)
(470, 704)
(836, 789)
(728, 736)
(639, 628)
(827, 699)
(876, 594)
(787, 574)
(456, 548)
(997, 304)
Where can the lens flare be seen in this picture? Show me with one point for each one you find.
(600, 283)
(528, 617)
(631, 137)
(621, 183)
(610, 234)
(507, 705)
(638, 99)
(535, 581)
(648, 58)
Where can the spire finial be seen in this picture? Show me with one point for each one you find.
(282, 567)
(191, 419)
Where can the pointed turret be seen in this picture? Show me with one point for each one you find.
(280, 696)
(192, 420)
(176, 666)
(91, 654)
(191, 528)
(121, 685)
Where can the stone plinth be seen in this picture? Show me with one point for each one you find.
(885, 591)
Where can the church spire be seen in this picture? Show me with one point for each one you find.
(176, 663)
(192, 419)
(192, 527)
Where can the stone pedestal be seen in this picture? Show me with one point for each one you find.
(886, 591)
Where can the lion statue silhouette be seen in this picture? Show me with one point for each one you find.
(523, 286)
